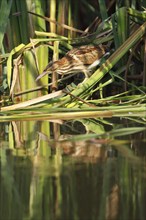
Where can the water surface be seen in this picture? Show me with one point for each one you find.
(46, 176)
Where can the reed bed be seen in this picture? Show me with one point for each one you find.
(41, 35)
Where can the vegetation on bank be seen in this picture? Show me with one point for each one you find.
(36, 32)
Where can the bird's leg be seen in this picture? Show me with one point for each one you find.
(86, 73)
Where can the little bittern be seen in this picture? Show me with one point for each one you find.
(81, 59)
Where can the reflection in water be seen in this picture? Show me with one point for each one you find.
(112, 203)
(63, 180)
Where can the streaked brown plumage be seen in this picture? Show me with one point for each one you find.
(75, 61)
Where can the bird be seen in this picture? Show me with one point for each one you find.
(79, 59)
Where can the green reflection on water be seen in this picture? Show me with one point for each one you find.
(80, 180)
(110, 189)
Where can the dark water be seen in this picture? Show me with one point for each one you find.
(98, 178)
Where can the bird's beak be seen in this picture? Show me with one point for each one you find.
(41, 75)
